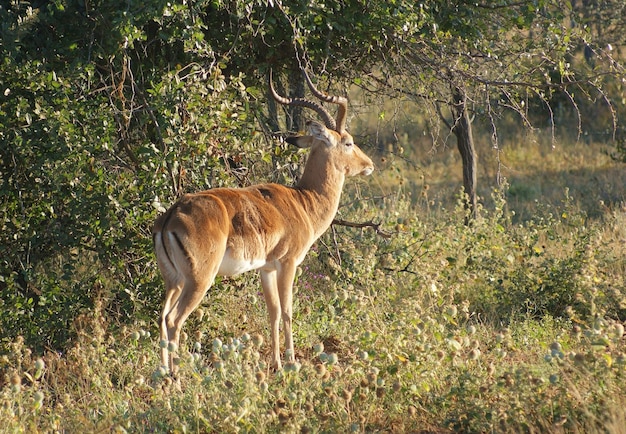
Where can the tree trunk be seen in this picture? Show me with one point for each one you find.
(294, 120)
(272, 111)
(462, 129)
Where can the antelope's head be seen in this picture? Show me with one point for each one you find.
(330, 143)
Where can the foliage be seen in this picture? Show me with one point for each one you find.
(93, 145)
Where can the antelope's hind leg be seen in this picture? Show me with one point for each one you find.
(189, 298)
(172, 293)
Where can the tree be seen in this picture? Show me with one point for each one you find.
(465, 59)
(108, 109)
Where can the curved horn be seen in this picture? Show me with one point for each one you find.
(339, 100)
(326, 117)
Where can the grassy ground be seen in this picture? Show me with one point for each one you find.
(512, 325)
(538, 171)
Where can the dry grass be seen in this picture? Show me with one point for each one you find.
(540, 172)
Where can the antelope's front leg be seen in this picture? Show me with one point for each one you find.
(272, 300)
(285, 278)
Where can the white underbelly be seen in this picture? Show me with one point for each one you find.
(232, 266)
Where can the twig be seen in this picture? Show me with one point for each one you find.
(370, 224)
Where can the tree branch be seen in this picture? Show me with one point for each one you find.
(370, 224)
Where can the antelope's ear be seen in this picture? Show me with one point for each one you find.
(320, 132)
(317, 132)
(300, 141)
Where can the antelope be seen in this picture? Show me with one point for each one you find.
(265, 227)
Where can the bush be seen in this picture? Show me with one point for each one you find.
(92, 150)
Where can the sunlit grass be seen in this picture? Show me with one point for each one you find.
(538, 170)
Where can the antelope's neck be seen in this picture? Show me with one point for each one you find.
(320, 192)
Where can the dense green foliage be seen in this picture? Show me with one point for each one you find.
(95, 133)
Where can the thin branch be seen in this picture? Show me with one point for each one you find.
(560, 85)
(404, 91)
(406, 268)
(337, 252)
(503, 6)
(370, 224)
(176, 186)
(443, 118)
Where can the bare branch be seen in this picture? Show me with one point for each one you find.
(443, 118)
(370, 224)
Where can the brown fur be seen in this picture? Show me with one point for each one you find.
(268, 227)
